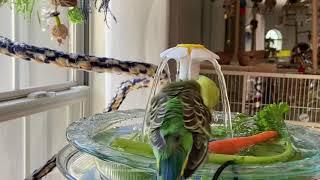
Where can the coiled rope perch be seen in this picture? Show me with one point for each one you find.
(75, 61)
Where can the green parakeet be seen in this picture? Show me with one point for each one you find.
(180, 126)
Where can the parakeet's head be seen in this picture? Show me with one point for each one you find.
(210, 92)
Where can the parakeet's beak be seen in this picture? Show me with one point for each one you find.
(172, 167)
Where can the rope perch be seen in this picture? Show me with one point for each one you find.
(75, 61)
(124, 89)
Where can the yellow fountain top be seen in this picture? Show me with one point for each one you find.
(191, 46)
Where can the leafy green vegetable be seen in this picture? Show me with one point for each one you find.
(272, 118)
(144, 149)
(219, 132)
(283, 157)
(243, 125)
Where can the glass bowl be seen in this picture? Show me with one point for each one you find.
(93, 135)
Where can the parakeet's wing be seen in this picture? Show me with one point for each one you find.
(156, 115)
(197, 119)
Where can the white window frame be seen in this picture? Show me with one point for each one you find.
(66, 94)
(15, 103)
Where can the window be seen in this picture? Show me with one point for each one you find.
(20, 74)
(32, 130)
(275, 39)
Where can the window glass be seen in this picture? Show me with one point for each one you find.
(23, 74)
(33, 140)
(275, 37)
(11, 149)
(6, 63)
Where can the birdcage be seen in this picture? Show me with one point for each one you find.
(249, 92)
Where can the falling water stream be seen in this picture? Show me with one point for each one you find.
(222, 85)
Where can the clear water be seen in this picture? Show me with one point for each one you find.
(224, 96)
(304, 151)
(94, 135)
(155, 85)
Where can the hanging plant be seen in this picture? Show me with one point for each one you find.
(24, 7)
(105, 8)
(77, 13)
(2, 2)
(76, 16)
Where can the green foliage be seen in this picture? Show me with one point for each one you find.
(244, 125)
(270, 118)
(24, 7)
(282, 157)
(76, 16)
(2, 2)
(219, 132)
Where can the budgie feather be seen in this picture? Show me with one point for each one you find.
(195, 116)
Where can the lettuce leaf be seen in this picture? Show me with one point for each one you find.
(270, 118)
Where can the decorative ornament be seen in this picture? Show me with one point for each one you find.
(59, 31)
(302, 55)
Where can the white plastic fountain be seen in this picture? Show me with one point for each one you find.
(188, 58)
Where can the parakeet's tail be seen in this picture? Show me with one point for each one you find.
(171, 168)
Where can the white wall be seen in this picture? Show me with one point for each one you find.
(141, 34)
